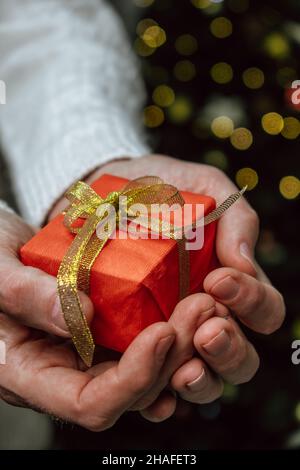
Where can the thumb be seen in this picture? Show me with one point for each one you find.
(237, 235)
(30, 296)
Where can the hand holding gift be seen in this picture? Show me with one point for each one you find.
(205, 323)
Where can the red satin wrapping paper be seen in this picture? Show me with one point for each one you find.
(133, 283)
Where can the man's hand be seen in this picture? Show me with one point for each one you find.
(240, 286)
(28, 294)
(45, 374)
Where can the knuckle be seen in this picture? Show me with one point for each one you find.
(88, 419)
(248, 371)
(257, 298)
(97, 423)
(253, 218)
(277, 317)
(143, 382)
(12, 289)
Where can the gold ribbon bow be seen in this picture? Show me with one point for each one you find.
(75, 268)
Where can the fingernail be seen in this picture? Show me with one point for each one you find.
(163, 347)
(247, 254)
(199, 383)
(58, 317)
(218, 345)
(225, 289)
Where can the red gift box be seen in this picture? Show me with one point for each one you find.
(133, 282)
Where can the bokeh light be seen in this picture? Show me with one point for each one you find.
(272, 123)
(181, 110)
(221, 72)
(154, 36)
(246, 177)
(230, 393)
(143, 25)
(277, 46)
(186, 44)
(222, 127)
(201, 4)
(153, 116)
(291, 128)
(142, 49)
(253, 78)
(184, 70)
(221, 27)
(163, 96)
(297, 412)
(241, 138)
(289, 187)
(216, 158)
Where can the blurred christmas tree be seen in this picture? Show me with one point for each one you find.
(219, 76)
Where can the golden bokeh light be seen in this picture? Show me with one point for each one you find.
(163, 96)
(184, 70)
(289, 187)
(246, 177)
(272, 123)
(291, 128)
(142, 49)
(154, 36)
(201, 4)
(181, 110)
(221, 27)
(222, 127)
(221, 72)
(144, 24)
(153, 116)
(241, 138)
(186, 44)
(277, 46)
(216, 158)
(253, 78)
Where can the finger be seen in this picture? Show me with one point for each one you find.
(163, 408)
(237, 229)
(257, 304)
(186, 318)
(93, 402)
(222, 346)
(30, 296)
(195, 383)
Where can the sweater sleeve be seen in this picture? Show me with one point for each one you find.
(4, 206)
(73, 96)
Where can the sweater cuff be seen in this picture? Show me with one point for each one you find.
(81, 152)
(4, 206)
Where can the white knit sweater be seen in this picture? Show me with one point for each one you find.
(73, 96)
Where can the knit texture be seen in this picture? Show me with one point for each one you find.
(5, 206)
(74, 96)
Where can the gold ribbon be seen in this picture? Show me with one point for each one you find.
(75, 268)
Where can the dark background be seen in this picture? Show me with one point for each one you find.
(264, 414)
